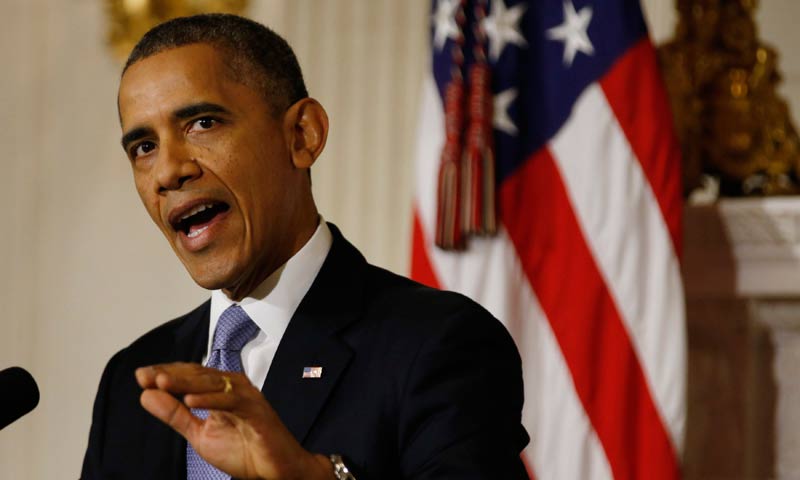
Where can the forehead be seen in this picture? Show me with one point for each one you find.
(176, 77)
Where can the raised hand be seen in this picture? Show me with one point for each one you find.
(242, 435)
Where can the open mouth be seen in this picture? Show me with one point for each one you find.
(197, 219)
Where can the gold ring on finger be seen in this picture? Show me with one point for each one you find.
(228, 385)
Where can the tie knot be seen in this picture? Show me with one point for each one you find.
(234, 329)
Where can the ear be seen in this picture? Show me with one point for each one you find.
(305, 125)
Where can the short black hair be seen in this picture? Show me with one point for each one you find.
(257, 56)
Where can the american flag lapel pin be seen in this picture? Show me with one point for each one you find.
(312, 372)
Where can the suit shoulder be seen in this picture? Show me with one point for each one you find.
(166, 329)
(420, 306)
(385, 286)
(156, 345)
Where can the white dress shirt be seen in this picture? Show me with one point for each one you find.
(273, 303)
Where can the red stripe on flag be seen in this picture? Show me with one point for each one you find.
(528, 468)
(587, 325)
(421, 267)
(637, 96)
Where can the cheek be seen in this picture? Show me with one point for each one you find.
(256, 174)
(149, 200)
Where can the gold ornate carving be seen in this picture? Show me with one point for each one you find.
(130, 19)
(730, 121)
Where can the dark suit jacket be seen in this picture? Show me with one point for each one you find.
(416, 383)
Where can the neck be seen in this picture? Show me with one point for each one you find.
(305, 231)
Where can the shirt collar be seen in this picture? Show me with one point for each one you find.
(272, 304)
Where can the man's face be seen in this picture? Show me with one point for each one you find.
(213, 167)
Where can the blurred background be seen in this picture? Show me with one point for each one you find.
(84, 272)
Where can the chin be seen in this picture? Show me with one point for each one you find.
(208, 283)
(211, 279)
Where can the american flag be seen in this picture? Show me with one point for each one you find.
(583, 268)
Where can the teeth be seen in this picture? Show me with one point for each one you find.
(197, 232)
(196, 210)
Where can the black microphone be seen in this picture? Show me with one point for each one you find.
(18, 394)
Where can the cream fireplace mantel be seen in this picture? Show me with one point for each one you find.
(741, 269)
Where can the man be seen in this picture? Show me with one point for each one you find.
(315, 361)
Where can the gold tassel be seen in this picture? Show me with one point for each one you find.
(480, 207)
(449, 233)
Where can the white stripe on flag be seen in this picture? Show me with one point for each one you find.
(624, 228)
(560, 430)
(490, 272)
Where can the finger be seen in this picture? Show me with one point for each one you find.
(181, 378)
(169, 410)
(213, 401)
(204, 381)
(235, 390)
(146, 376)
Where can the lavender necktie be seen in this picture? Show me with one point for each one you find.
(234, 329)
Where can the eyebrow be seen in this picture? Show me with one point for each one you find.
(181, 114)
(198, 108)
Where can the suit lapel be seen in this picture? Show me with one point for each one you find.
(312, 340)
(188, 345)
(191, 337)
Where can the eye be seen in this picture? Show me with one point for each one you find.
(142, 149)
(204, 123)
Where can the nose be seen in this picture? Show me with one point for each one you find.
(175, 167)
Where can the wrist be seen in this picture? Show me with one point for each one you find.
(314, 467)
(324, 470)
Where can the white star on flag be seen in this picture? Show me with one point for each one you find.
(444, 21)
(502, 27)
(573, 32)
(501, 119)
